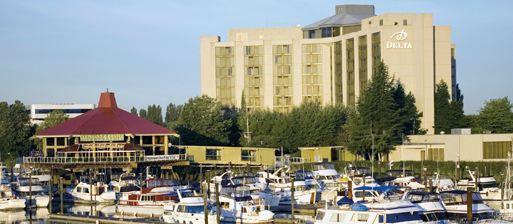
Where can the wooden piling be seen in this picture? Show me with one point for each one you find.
(292, 199)
(50, 191)
(205, 203)
(350, 189)
(61, 192)
(469, 205)
(30, 188)
(218, 205)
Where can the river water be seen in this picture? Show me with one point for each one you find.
(42, 215)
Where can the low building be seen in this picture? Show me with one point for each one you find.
(226, 156)
(38, 112)
(325, 154)
(455, 147)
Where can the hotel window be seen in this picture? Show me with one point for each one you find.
(362, 62)
(376, 51)
(254, 77)
(381, 22)
(311, 84)
(350, 72)
(405, 22)
(311, 34)
(338, 72)
(496, 150)
(282, 78)
(213, 154)
(326, 32)
(225, 80)
(248, 155)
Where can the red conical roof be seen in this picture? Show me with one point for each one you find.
(106, 119)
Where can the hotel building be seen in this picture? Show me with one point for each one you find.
(329, 61)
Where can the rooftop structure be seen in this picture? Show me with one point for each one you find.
(38, 112)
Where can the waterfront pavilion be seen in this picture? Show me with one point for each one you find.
(104, 135)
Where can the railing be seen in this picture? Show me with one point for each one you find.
(95, 157)
(89, 157)
(158, 158)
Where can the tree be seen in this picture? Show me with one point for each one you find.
(310, 124)
(14, 137)
(204, 121)
(457, 115)
(143, 113)
(134, 111)
(53, 119)
(409, 118)
(172, 115)
(376, 118)
(496, 116)
(448, 111)
(155, 114)
(442, 108)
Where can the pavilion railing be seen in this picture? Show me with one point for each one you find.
(104, 156)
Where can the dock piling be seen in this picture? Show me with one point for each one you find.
(61, 192)
(292, 199)
(205, 203)
(469, 204)
(218, 208)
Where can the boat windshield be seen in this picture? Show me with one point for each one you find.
(26, 181)
(303, 175)
(196, 209)
(422, 197)
(451, 198)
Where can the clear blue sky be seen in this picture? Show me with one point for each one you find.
(148, 51)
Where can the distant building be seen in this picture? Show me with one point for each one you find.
(38, 112)
(329, 61)
(455, 147)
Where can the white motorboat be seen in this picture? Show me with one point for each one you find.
(407, 182)
(8, 201)
(400, 211)
(434, 211)
(32, 191)
(190, 209)
(96, 192)
(455, 203)
(488, 187)
(246, 209)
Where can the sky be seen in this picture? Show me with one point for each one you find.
(147, 52)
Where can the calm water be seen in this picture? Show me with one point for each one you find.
(41, 215)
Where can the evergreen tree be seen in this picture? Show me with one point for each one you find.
(409, 118)
(376, 118)
(449, 112)
(457, 115)
(172, 115)
(442, 108)
(143, 113)
(15, 132)
(154, 114)
(496, 116)
(204, 121)
(134, 111)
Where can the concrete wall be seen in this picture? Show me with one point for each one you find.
(264, 156)
(456, 147)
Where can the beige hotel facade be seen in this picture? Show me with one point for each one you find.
(329, 61)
